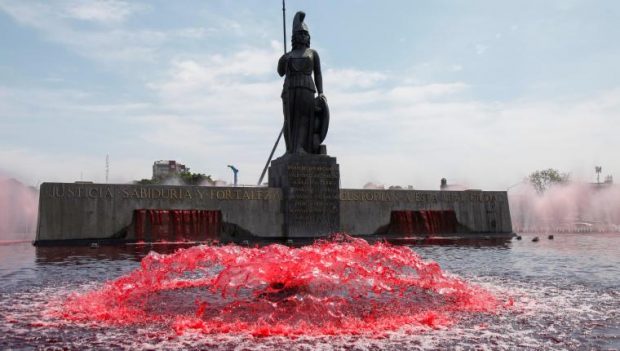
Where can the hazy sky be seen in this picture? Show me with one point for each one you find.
(479, 92)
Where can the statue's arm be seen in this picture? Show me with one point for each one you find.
(318, 77)
(282, 65)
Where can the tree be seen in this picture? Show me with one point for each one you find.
(195, 178)
(543, 179)
(145, 182)
(187, 178)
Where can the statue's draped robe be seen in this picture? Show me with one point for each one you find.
(298, 99)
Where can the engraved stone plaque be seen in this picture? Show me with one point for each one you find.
(310, 194)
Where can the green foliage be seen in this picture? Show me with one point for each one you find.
(144, 182)
(543, 179)
(195, 178)
(186, 178)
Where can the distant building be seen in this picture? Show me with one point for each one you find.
(609, 179)
(371, 185)
(443, 185)
(609, 182)
(165, 168)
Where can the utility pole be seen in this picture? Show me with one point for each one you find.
(107, 168)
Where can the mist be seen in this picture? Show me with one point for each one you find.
(573, 207)
(18, 210)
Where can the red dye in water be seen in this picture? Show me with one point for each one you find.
(176, 225)
(338, 286)
(423, 222)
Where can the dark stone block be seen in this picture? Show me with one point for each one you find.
(310, 194)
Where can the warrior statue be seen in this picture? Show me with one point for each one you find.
(306, 118)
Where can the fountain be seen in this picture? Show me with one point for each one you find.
(340, 285)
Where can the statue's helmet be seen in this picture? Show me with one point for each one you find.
(298, 22)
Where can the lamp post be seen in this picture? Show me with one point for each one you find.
(235, 171)
(598, 170)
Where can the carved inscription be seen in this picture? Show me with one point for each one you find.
(418, 196)
(78, 191)
(69, 191)
(316, 184)
(313, 204)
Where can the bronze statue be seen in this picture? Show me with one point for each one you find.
(306, 118)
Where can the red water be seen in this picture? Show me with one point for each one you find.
(337, 286)
(154, 225)
(423, 222)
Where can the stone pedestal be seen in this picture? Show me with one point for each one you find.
(310, 194)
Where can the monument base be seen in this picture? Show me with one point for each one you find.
(310, 194)
(106, 213)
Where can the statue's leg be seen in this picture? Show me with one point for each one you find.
(316, 133)
(287, 125)
(307, 110)
(293, 119)
(302, 120)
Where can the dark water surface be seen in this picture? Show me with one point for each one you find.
(566, 295)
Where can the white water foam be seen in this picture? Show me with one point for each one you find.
(543, 317)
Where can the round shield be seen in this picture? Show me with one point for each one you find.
(322, 116)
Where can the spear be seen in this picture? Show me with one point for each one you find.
(284, 24)
(262, 175)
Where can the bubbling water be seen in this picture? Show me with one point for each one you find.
(340, 286)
